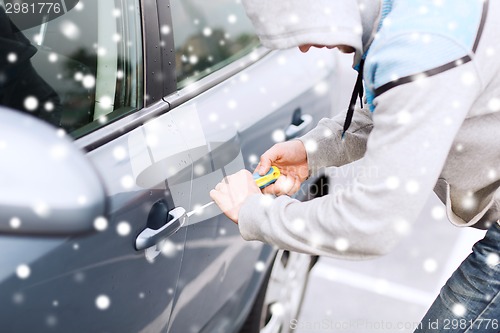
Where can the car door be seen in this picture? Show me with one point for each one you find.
(106, 92)
(246, 99)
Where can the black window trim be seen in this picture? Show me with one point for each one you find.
(153, 89)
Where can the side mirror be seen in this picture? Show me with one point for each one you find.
(47, 185)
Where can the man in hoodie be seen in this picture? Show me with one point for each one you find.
(432, 81)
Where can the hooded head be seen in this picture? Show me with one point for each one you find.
(282, 24)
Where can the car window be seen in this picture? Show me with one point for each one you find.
(78, 71)
(208, 35)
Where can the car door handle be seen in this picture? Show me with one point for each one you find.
(175, 220)
(296, 130)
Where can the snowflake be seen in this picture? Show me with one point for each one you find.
(12, 57)
(168, 248)
(193, 59)
(412, 186)
(298, 225)
(438, 212)
(316, 240)
(253, 159)
(294, 18)
(232, 19)
(232, 104)
(53, 57)
(492, 259)
(51, 320)
(403, 117)
(430, 265)
(79, 277)
(392, 182)
(102, 302)
(469, 202)
(456, 104)
(41, 209)
(165, 29)
(243, 77)
(207, 32)
(381, 286)
(279, 135)
(18, 298)
(15, 222)
(31, 103)
(101, 51)
(311, 146)
(341, 244)
(321, 88)
(100, 223)
(49, 106)
(494, 104)
(23, 271)
(213, 117)
(106, 102)
(58, 152)
(119, 153)
(266, 200)
(260, 266)
(123, 228)
(199, 169)
(281, 60)
(70, 30)
(358, 29)
(459, 310)
(468, 78)
(402, 227)
(127, 182)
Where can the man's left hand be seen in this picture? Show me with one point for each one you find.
(232, 191)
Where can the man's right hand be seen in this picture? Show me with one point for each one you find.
(291, 158)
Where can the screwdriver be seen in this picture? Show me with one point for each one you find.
(261, 181)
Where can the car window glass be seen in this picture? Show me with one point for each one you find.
(78, 71)
(208, 35)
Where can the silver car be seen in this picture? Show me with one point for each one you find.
(117, 118)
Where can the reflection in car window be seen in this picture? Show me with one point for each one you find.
(78, 71)
(208, 35)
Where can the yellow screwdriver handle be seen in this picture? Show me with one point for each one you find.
(270, 177)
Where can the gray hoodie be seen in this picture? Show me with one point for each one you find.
(432, 82)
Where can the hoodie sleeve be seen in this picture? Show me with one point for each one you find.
(325, 146)
(414, 128)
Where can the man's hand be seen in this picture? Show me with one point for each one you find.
(232, 191)
(291, 158)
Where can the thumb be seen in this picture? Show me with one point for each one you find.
(267, 159)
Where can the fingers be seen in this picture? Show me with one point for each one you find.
(264, 165)
(285, 185)
(232, 192)
(269, 157)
